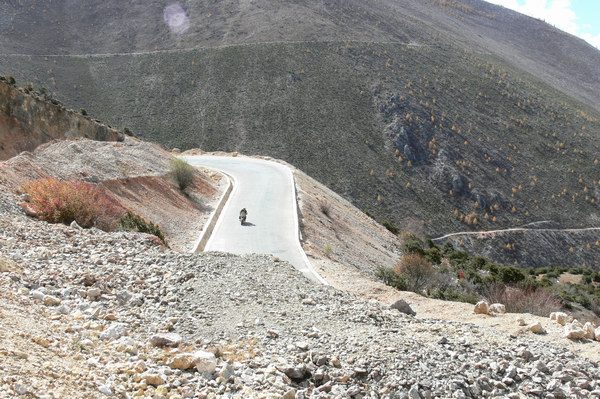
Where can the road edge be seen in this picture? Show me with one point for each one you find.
(209, 226)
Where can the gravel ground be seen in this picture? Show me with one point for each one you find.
(241, 327)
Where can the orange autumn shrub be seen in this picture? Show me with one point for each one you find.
(58, 201)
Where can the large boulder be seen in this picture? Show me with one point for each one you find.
(588, 329)
(403, 307)
(574, 330)
(482, 307)
(497, 308)
(536, 328)
(560, 317)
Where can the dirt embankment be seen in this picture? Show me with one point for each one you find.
(136, 173)
(28, 120)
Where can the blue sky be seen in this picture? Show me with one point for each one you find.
(578, 17)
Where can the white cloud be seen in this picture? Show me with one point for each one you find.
(556, 12)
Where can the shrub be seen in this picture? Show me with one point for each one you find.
(57, 201)
(412, 244)
(325, 208)
(510, 275)
(391, 227)
(416, 270)
(183, 172)
(433, 255)
(391, 278)
(83, 112)
(537, 301)
(133, 222)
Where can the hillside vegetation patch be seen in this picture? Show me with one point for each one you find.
(57, 201)
(64, 201)
(183, 173)
(447, 274)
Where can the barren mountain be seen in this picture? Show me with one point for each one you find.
(443, 115)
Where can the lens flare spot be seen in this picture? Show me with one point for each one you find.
(176, 18)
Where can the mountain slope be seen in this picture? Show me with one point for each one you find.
(438, 115)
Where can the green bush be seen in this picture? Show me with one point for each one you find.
(433, 255)
(511, 275)
(183, 173)
(413, 245)
(391, 227)
(133, 222)
(391, 278)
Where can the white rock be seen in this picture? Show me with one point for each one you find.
(521, 321)
(588, 329)
(482, 307)
(37, 295)
(115, 331)
(205, 362)
(413, 392)
(574, 330)
(597, 334)
(560, 317)
(497, 308)
(536, 328)
(105, 389)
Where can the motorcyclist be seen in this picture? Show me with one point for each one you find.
(243, 214)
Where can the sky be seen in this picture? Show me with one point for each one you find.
(578, 17)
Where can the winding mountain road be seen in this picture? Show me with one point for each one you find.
(266, 189)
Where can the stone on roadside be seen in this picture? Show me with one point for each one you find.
(497, 308)
(37, 295)
(597, 334)
(165, 339)
(413, 392)
(115, 331)
(536, 328)
(574, 330)
(93, 293)
(403, 307)
(588, 329)
(309, 301)
(205, 362)
(154, 379)
(50, 300)
(521, 321)
(482, 307)
(560, 317)
(182, 361)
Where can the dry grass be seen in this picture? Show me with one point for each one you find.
(416, 270)
(57, 201)
(537, 301)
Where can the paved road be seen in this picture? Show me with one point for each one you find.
(266, 189)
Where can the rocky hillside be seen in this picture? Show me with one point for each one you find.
(112, 315)
(438, 115)
(534, 247)
(29, 118)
